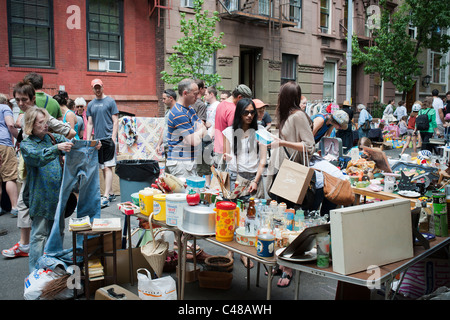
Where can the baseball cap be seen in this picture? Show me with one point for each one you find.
(416, 107)
(341, 117)
(259, 104)
(244, 91)
(96, 82)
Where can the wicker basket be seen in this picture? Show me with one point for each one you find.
(219, 263)
(155, 252)
(215, 280)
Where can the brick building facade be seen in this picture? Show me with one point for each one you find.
(72, 42)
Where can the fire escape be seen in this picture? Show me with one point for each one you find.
(273, 14)
(157, 5)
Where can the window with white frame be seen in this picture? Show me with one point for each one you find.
(437, 67)
(325, 16)
(329, 81)
(295, 12)
(208, 66)
(30, 28)
(288, 68)
(187, 3)
(105, 35)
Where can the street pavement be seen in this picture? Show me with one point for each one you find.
(14, 271)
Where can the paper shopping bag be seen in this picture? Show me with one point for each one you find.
(292, 181)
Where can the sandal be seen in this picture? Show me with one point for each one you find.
(285, 280)
(275, 272)
(245, 260)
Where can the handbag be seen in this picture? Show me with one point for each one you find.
(72, 201)
(366, 125)
(242, 185)
(336, 190)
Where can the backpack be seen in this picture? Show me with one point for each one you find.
(422, 122)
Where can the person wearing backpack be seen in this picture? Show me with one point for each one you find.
(425, 129)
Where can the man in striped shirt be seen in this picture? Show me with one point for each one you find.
(184, 133)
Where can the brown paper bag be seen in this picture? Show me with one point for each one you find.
(215, 182)
(292, 181)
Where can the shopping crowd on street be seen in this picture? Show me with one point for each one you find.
(203, 128)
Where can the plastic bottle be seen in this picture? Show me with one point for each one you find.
(299, 220)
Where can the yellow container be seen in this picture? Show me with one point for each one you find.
(146, 201)
(225, 220)
(159, 207)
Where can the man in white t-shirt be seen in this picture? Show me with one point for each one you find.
(438, 105)
(211, 107)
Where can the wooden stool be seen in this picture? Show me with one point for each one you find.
(98, 252)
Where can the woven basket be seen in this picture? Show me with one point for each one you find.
(219, 263)
(155, 251)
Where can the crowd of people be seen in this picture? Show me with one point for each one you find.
(202, 128)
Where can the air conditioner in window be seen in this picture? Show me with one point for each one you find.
(114, 65)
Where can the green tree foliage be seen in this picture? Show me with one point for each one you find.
(394, 53)
(195, 48)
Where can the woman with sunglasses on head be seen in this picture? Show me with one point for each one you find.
(242, 152)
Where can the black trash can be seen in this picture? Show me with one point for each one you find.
(135, 175)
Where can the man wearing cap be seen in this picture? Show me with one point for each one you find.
(225, 115)
(102, 114)
(264, 118)
(346, 135)
(323, 124)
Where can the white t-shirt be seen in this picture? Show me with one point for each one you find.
(438, 104)
(211, 116)
(248, 158)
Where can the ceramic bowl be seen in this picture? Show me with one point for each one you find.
(243, 239)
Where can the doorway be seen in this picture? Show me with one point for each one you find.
(250, 69)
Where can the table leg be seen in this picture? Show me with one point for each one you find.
(269, 282)
(130, 249)
(179, 263)
(258, 268)
(248, 273)
(183, 266)
(297, 284)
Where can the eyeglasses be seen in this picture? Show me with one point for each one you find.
(249, 112)
(80, 106)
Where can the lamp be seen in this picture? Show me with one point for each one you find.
(426, 81)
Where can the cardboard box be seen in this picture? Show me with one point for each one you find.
(373, 234)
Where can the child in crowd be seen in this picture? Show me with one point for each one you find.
(411, 131)
(402, 126)
(364, 142)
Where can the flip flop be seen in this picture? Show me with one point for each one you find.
(275, 272)
(283, 283)
(245, 262)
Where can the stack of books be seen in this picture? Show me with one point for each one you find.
(95, 270)
(79, 224)
(109, 224)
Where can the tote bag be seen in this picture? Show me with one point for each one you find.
(293, 180)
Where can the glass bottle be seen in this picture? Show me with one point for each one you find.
(250, 219)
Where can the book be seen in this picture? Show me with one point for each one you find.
(78, 224)
(95, 270)
(107, 224)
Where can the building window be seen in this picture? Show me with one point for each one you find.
(187, 3)
(288, 68)
(105, 35)
(30, 33)
(329, 81)
(208, 66)
(437, 67)
(295, 12)
(324, 15)
(264, 7)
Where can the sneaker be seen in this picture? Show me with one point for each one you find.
(112, 197)
(104, 202)
(14, 212)
(14, 252)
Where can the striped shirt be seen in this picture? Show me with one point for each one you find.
(181, 122)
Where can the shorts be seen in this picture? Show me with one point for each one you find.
(107, 154)
(8, 169)
(410, 133)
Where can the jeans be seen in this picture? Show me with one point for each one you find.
(40, 230)
(81, 166)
